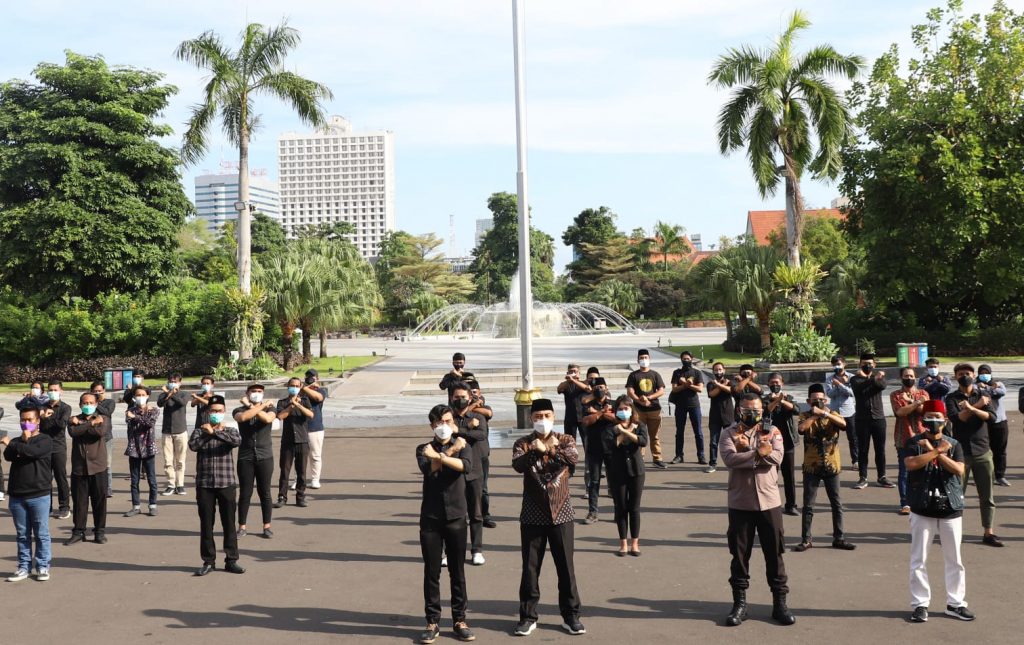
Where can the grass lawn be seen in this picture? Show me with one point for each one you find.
(711, 353)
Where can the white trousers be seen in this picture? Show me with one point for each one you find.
(922, 532)
(314, 461)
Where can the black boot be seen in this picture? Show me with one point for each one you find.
(780, 612)
(739, 608)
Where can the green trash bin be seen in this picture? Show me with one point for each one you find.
(903, 354)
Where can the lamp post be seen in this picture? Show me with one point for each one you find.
(524, 397)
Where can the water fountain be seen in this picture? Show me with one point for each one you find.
(501, 320)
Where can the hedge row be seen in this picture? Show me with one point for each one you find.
(88, 369)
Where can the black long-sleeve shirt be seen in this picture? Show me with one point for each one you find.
(30, 475)
(867, 393)
(444, 491)
(55, 426)
(175, 405)
(473, 427)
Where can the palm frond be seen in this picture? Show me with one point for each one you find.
(302, 94)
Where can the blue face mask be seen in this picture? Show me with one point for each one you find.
(622, 415)
(216, 418)
(933, 371)
(293, 390)
(88, 410)
(984, 378)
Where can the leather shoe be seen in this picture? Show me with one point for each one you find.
(205, 569)
(280, 502)
(791, 510)
(843, 545)
(991, 540)
(232, 567)
(74, 539)
(301, 503)
(100, 538)
(803, 546)
(489, 524)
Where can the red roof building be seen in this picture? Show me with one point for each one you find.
(760, 224)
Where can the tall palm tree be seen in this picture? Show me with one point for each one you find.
(621, 296)
(668, 239)
(235, 79)
(291, 285)
(781, 97)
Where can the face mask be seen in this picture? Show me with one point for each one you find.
(719, 374)
(838, 369)
(775, 389)
(984, 378)
(88, 410)
(933, 371)
(622, 415)
(965, 380)
(687, 364)
(818, 404)
(908, 382)
(934, 425)
(255, 397)
(460, 404)
(29, 426)
(207, 388)
(293, 390)
(53, 395)
(601, 393)
(543, 427)
(750, 418)
(137, 380)
(645, 363)
(216, 418)
(866, 367)
(172, 385)
(141, 400)
(443, 432)
(310, 380)
(37, 391)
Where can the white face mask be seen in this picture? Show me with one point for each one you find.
(141, 400)
(37, 391)
(256, 397)
(543, 427)
(645, 363)
(443, 432)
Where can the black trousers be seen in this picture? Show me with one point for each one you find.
(89, 490)
(768, 526)
(998, 435)
(474, 506)
(210, 501)
(258, 473)
(851, 438)
(870, 431)
(694, 415)
(435, 536)
(535, 540)
(59, 466)
(715, 428)
(293, 453)
(594, 456)
(811, 483)
(788, 468)
(485, 495)
(626, 493)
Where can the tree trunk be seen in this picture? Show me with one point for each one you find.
(323, 343)
(794, 214)
(728, 324)
(764, 326)
(744, 322)
(288, 333)
(307, 342)
(244, 233)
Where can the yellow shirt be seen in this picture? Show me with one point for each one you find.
(821, 446)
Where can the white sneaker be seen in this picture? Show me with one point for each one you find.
(478, 559)
(43, 575)
(2, 496)
(291, 486)
(315, 483)
(18, 576)
(444, 561)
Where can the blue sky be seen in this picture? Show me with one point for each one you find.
(619, 112)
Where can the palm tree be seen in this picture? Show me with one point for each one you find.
(668, 239)
(235, 79)
(781, 97)
(291, 284)
(623, 297)
(743, 278)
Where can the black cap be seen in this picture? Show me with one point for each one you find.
(599, 381)
(542, 405)
(215, 399)
(593, 370)
(815, 389)
(312, 372)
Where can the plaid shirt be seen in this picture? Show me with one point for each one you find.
(215, 467)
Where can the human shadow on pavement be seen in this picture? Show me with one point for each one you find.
(289, 556)
(61, 562)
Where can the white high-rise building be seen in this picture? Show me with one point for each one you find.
(216, 196)
(483, 226)
(338, 175)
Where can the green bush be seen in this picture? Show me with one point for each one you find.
(745, 340)
(802, 346)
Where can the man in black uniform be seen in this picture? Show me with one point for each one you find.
(473, 428)
(89, 469)
(457, 375)
(599, 414)
(255, 419)
(294, 411)
(687, 384)
(869, 418)
(782, 409)
(721, 414)
(53, 422)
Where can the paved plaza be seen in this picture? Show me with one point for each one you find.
(348, 567)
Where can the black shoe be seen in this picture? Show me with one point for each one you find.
(489, 523)
(205, 569)
(702, 461)
(168, 491)
(232, 567)
(780, 612)
(267, 534)
(242, 533)
(524, 628)
(920, 615)
(180, 490)
(885, 483)
(791, 510)
(843, 545)
(74, 539)
(301, 503)
(281, 501)
(660, 464)
(462, 632)
(574, 626)
(803, 546)
(991, 540)
(100, 538)
(590, 519)
(430, 634)
(1002, 481)
(678, 459)
(963, 613)
(738, 613)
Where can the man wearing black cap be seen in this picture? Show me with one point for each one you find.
(316, 394)
(598, 416)
(546, 460)
(869, 417)
(645, 386)
(216, 482)
(458, 374)
(255, 418)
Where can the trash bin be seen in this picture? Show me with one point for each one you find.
(903, 354)
(922, 354)
(911, 354)
(117, 378)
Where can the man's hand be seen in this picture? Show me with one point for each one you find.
(944, 447)
(430, 453)
(130, 415)
(764, 448)
(538, 446)
(984, 401)
(457, 445)
(208, 429)
(5, 440)
(742, 442)
(75, 421)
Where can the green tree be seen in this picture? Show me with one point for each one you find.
(780, 100)
(936, 180)
(621, 296)
(743, 279)
(200, 254)
(597, 262)
(90, 201)
(496, 258)
(236, 79)
(267, 234)
(588, 234)
(824, 242)
(325, 230)
(642, 246)
(669, 240)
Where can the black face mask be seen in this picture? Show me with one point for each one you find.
(965, 380)
(775, 389)
(750, 418)
(934, 425)
(866, 367)
(719, 375)
(687, 364)
(460, 404)
(909, 382)
(818, 404)
(838, 369)
(310, 380)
